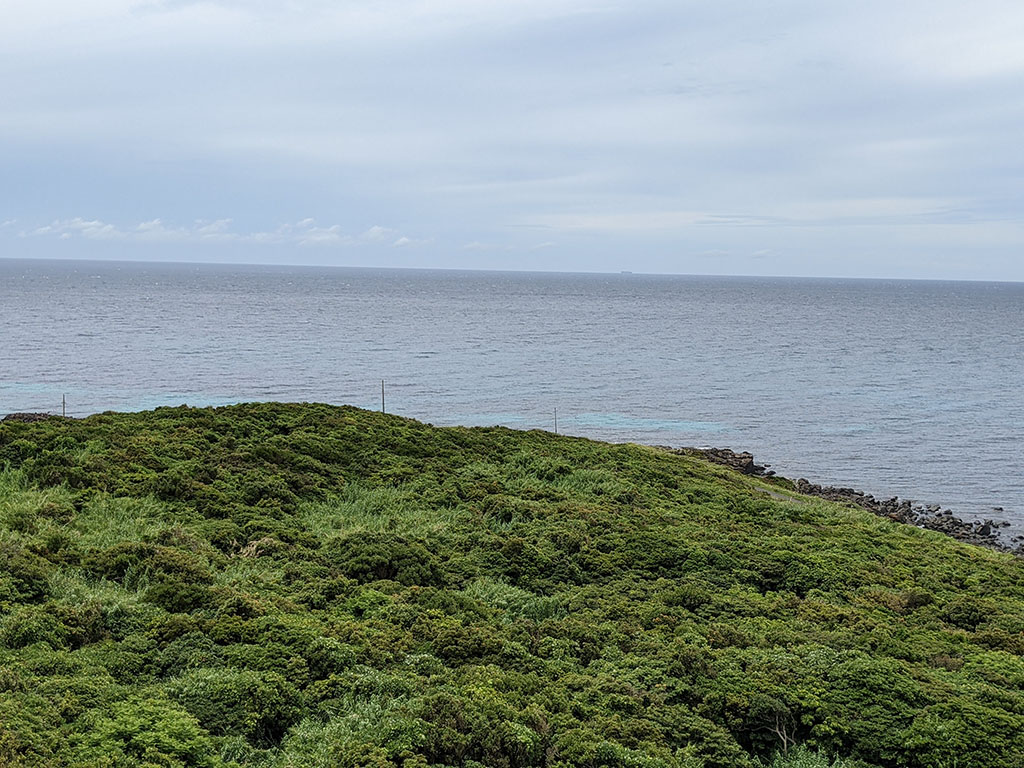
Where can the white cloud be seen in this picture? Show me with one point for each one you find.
(90, 229)
(213, 230)
(376, 234)
(156, 231)
(986, 38)
(304, 232)
(70, 28)
(331, 235)
(409, 242)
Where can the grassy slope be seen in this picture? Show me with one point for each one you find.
(286, 585)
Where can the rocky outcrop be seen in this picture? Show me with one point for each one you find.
(27, 417)
(741, 462)
(983, 533)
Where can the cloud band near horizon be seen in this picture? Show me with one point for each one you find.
(791, 138)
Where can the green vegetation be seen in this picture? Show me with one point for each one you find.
(303, 585)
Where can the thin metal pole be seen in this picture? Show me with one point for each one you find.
(556, 421)
(382, 396)
(64, 405)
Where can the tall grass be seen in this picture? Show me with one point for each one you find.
(376, 510)
(589, 482)
(251, 572)
(71, 586)
(12, 482)
(21, 506)
(106, 521)
(513, 602)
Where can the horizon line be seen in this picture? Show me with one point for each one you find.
(623, 273)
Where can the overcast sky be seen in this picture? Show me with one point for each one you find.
(716, 137)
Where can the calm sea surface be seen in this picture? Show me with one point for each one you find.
(908, 388)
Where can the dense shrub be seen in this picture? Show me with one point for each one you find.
(269, 585)
(145, 732)
(257, 706)
(369, 557)
(131, 562)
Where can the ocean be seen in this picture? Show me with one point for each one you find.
(909, 388)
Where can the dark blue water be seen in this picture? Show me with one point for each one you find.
(894, 387)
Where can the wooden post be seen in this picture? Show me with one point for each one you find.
(382, 396)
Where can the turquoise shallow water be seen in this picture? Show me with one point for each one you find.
(895, 387)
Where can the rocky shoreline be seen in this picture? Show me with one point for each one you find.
(982, 533)
(27, 418)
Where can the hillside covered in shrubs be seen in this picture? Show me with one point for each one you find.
(305, 585)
